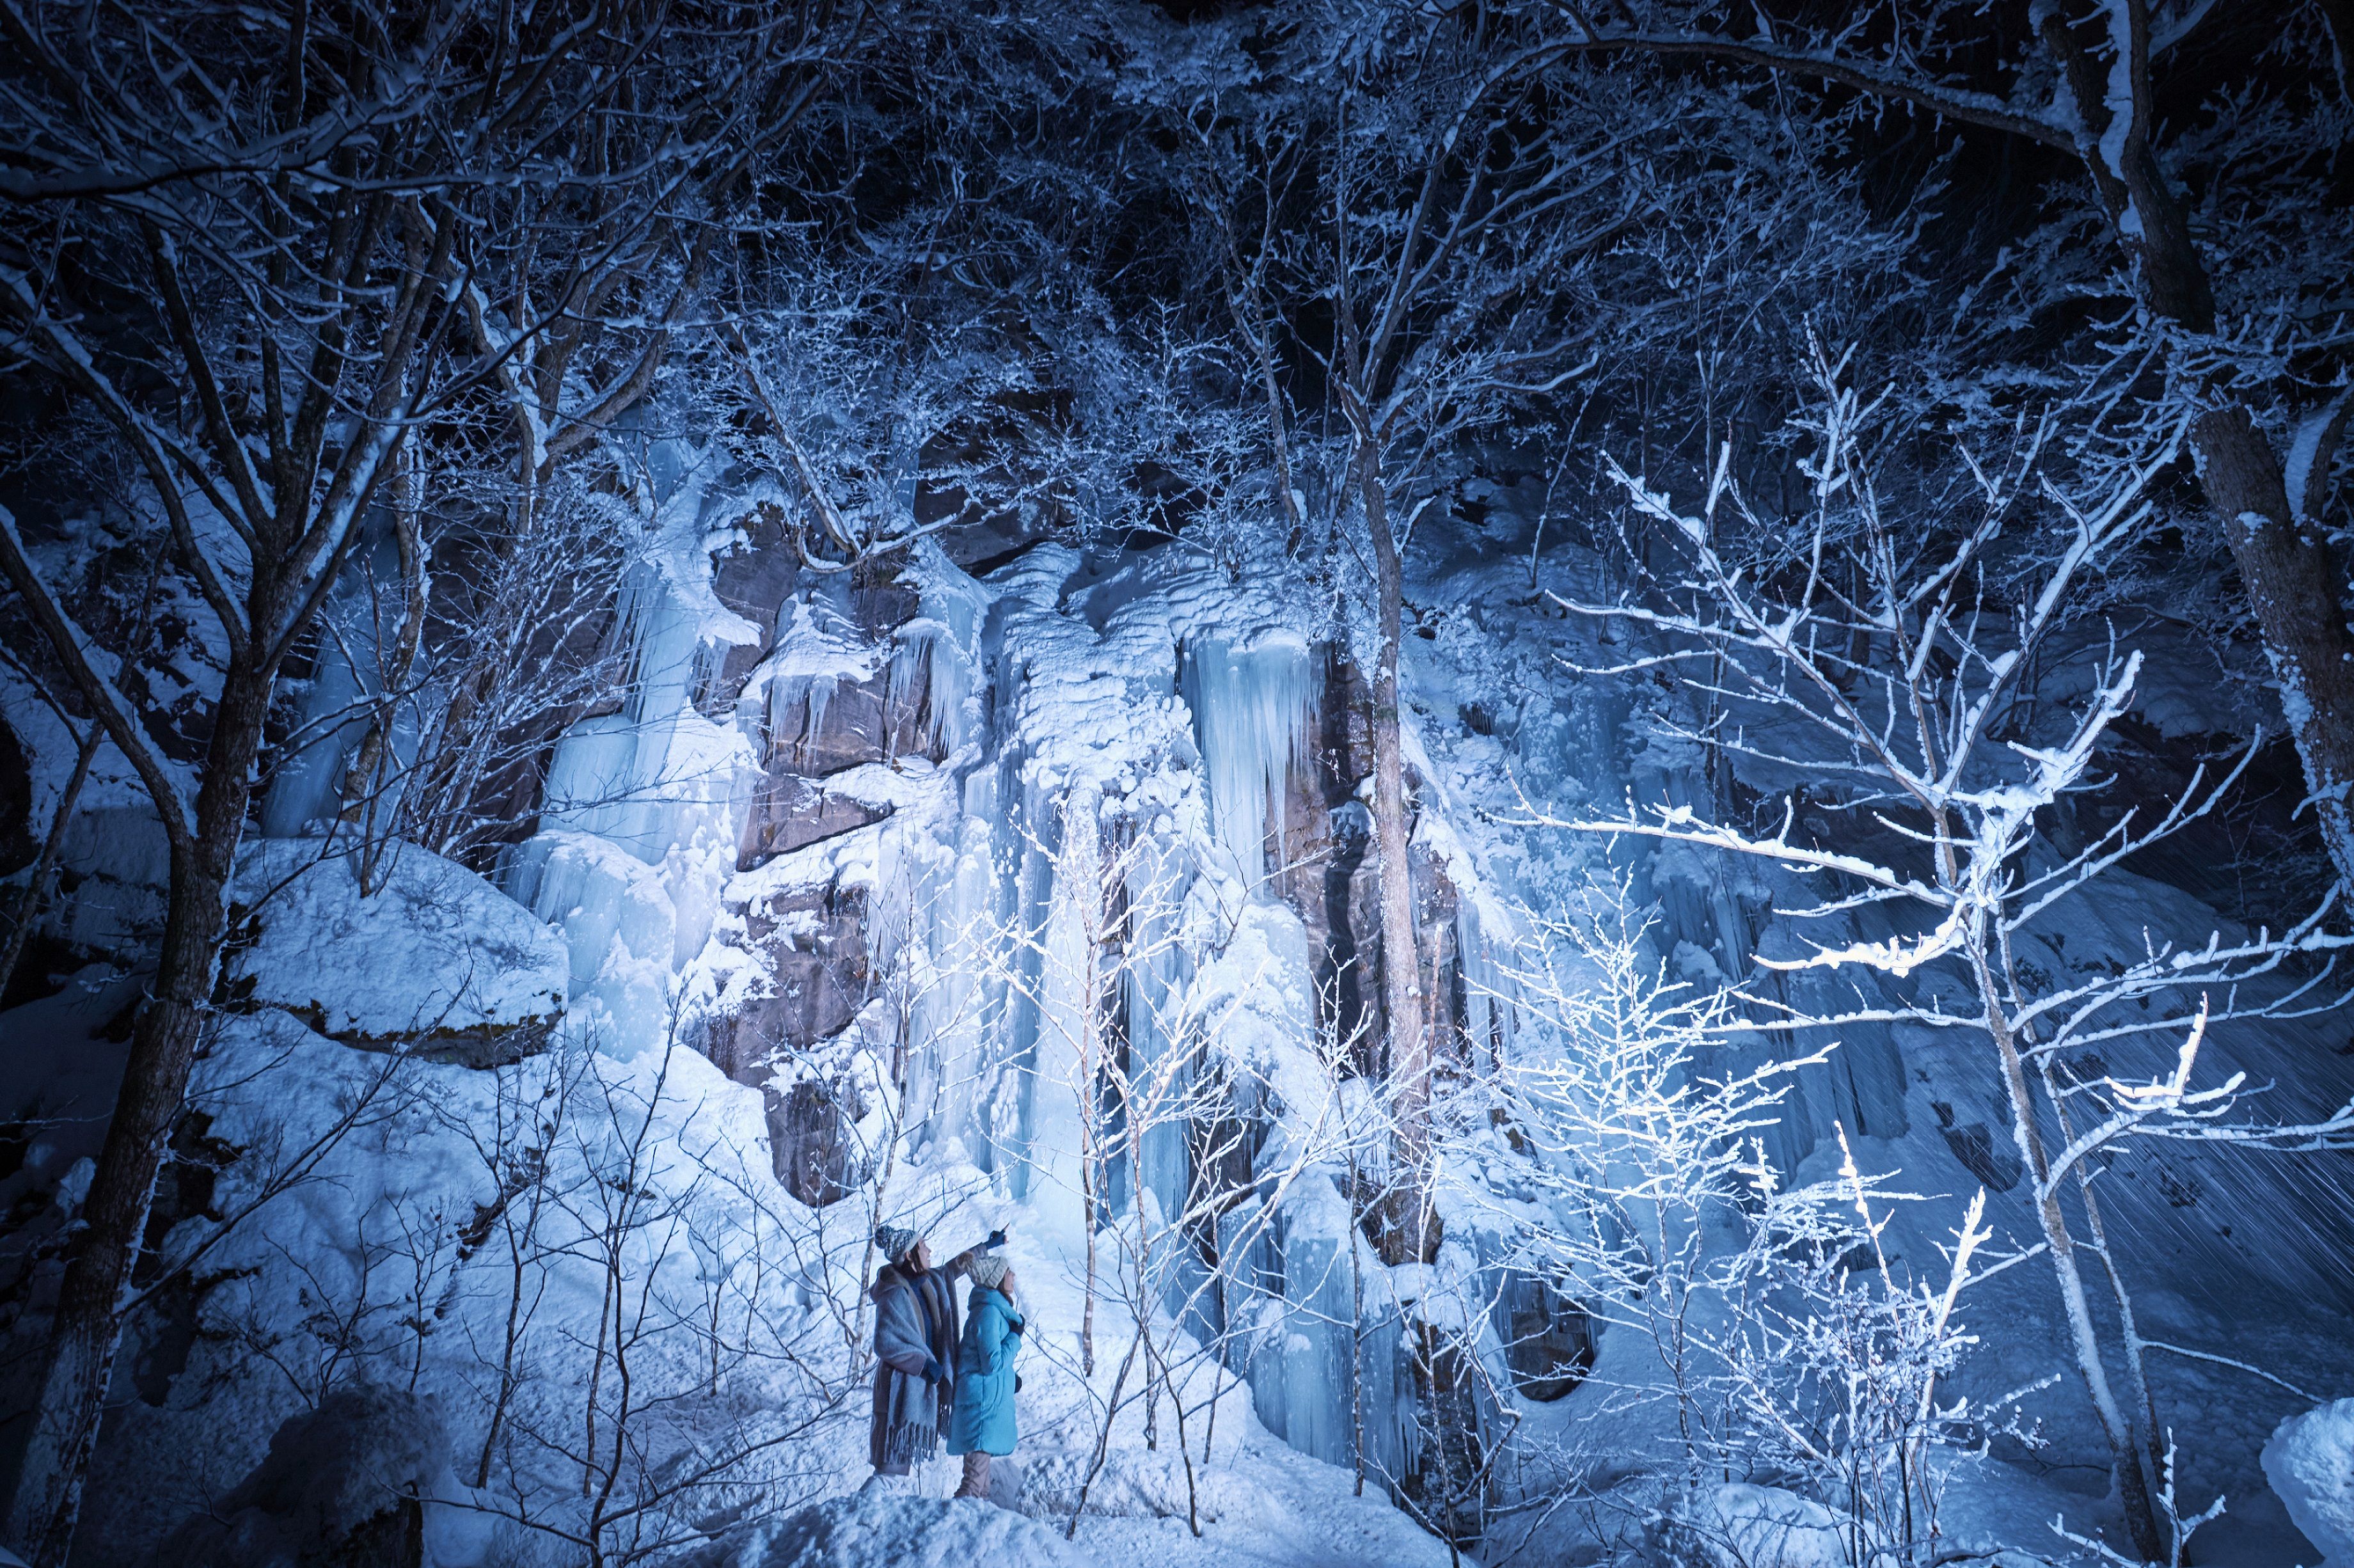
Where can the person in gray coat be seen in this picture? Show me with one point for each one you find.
(915, 1347)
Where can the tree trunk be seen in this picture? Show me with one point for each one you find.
(2293, 586)
(2292, 582)
(87, 1328)
(2116, 1427)
(1408, 1230)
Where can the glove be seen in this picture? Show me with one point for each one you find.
(1018, 1325)
(996, 1239)
(932, 1372)
(1017, 1382)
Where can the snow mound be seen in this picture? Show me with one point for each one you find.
(2310, 1464)
(1135, 1484)
(438, 959)
(348, 1482)
(1743, 1526)
(872, 1526)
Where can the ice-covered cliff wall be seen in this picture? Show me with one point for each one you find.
(938, 856)
(930, 858)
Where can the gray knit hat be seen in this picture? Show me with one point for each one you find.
(894, 1243)
(988, 1270)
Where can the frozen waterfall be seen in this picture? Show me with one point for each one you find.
(1251, 707)
(643, 807)
(1063, 789)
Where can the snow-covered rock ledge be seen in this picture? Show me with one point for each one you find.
(436, 961)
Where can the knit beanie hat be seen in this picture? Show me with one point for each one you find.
(988, 1270)
(894, 1243)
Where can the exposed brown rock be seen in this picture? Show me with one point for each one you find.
(753, 578)
(858, 722)
(812, 1141)
(814, 942)
(790, 812)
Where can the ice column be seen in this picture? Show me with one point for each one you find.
(1483, 937)
(1028, 837)
(957, 1002)
(951, 890)
(643, 808)
(1293, 1297)
(308, 791)
(1067, 1061)
(1252, 708)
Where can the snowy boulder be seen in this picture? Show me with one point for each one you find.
(1744, 1526)
(874, 1527)
(2310, 1463)
(347, 1484)
(436, 961)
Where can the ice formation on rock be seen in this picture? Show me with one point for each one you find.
(642, 807)
(1251, 708)
(1080, 768)
(921, 860)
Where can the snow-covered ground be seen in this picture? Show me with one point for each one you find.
(583, 1261)
(374, 1258)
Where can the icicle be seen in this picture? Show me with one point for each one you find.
(930, 674)
(817, 648)
(1490, 1016)
(1252, 714)
(307, 793)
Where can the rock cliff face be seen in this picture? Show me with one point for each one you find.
(931, 856)
(840, 760)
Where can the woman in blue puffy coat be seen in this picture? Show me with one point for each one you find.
(981, 1426)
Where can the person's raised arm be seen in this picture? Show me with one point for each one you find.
(962, 1262)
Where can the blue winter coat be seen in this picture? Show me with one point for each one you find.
(983, 1416)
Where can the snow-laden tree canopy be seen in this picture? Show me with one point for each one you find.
(1592, 759)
